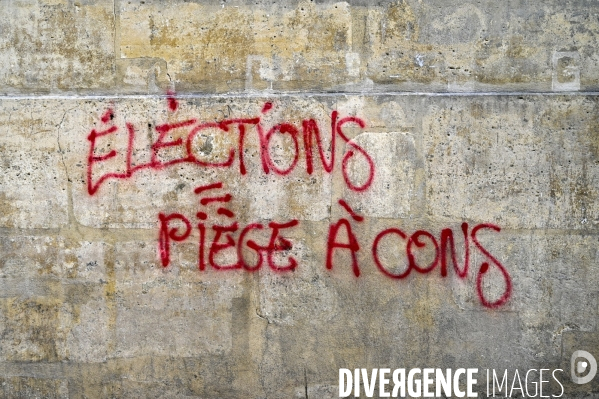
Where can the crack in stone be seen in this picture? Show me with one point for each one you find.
(305, 383)
(70, 212)
(263, 317)
(60, 150)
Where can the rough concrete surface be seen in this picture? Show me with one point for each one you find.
(236, 199)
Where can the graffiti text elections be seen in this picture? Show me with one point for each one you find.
(232, 239)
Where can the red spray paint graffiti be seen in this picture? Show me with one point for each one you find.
(225, 244)
(177, 227)
(352, 245)
(415, 241)
(441, 257)
(192, 128)
(223, 237)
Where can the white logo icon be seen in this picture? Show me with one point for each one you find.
(580, 366)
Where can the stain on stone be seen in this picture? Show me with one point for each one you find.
(30, 329)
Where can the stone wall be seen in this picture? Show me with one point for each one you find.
(235, 199)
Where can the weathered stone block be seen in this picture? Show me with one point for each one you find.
(33, 191)
(513, 161)
(19, 387)
(170, 311)
(56, 47)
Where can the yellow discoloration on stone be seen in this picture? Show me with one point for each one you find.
(58, 46)
(421, 313)
(31, 329)
(215, 47)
